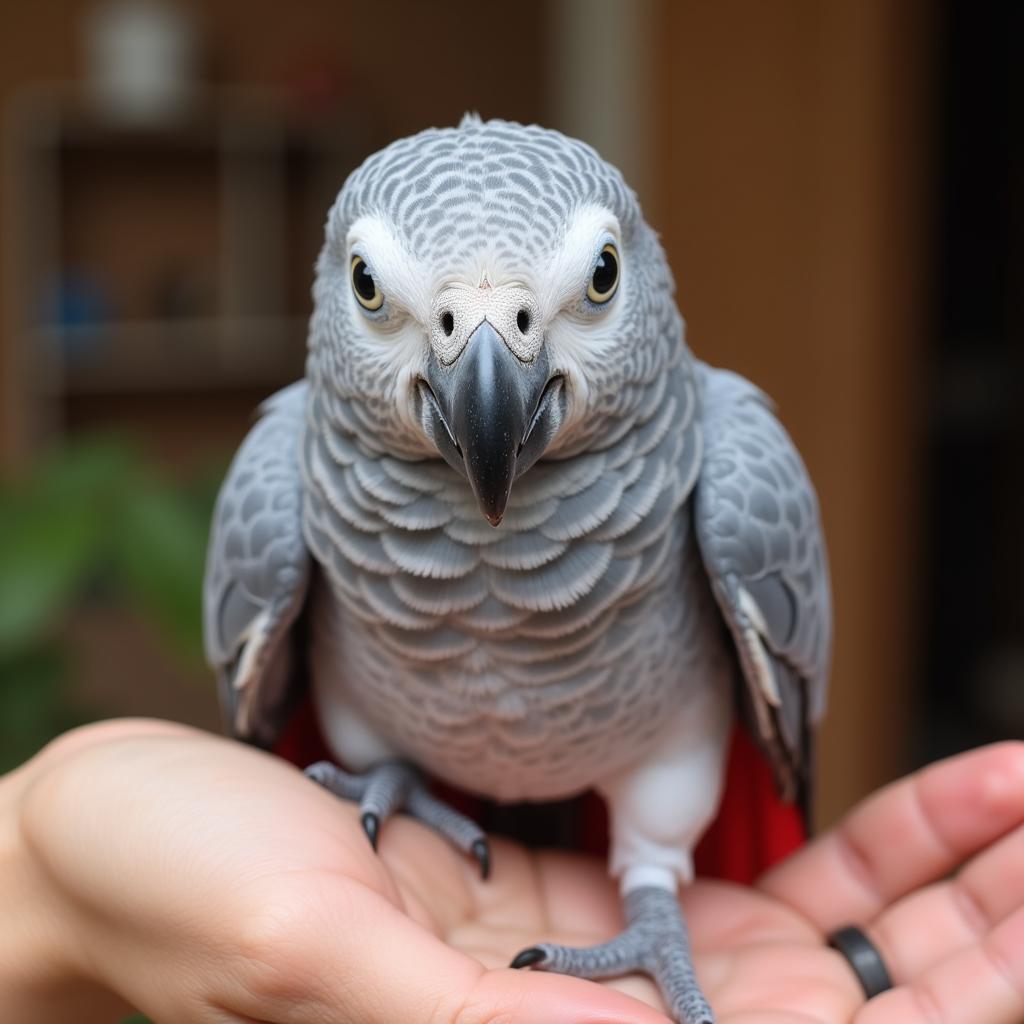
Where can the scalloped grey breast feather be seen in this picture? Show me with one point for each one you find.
(532, 632)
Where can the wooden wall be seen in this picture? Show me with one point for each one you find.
(788, 156)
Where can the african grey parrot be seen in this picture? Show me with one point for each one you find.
(514, 534)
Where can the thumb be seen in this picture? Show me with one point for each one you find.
(534, 997)
(358, 958)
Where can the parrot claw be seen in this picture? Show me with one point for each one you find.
(371, 826)
(528, 958)
(482, 851)
(394, 786)
(655, 942)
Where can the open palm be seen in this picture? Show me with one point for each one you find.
(953, 944)
(216, 884)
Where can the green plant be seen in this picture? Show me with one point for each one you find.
(95, 520)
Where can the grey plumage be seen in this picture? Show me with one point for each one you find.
(667, 536)
(759, 534)
(493, 640)
(258, 572)
(388, 530)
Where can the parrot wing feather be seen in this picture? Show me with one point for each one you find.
(257, 574)
(759, 531)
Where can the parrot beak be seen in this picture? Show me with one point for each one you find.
(491, 415)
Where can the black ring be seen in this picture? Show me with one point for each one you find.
(863, 957)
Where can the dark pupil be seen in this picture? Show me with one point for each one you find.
(605, 273)
(363, 282)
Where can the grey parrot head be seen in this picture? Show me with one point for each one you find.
(490, 293)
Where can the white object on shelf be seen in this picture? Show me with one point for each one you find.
(141, 60)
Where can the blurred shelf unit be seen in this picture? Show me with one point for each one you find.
(209, 354)
(167, 257)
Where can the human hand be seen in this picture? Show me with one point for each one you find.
(932, 867)
(202, 881)
(954, 946)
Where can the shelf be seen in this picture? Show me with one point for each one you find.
(164, 261)
(152, 356)
(53, 116)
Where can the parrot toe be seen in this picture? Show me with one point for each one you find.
(394, 786)
(655, 942)
(341, 783)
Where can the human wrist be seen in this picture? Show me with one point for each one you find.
(44, 972)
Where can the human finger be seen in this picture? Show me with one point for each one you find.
(908, 835)
(983, 983)
(931, 924)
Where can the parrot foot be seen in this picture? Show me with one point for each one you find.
(394, 786)
(655, 942)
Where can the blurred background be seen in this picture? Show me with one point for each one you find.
(840, 188)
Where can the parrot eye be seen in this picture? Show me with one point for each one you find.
(605, 278)
(368, 294)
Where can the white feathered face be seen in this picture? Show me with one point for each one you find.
(490, 294)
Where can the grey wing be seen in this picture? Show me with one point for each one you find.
(257, 574)
(759, 531)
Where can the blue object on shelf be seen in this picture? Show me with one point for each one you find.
(75, 302)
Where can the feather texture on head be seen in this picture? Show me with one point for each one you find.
(514, 208)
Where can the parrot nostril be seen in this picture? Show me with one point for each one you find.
(523, 321)
(447, 323)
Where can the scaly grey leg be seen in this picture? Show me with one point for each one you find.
(655, 942)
